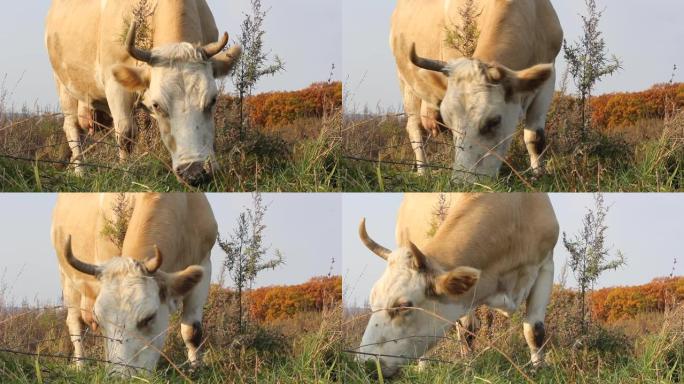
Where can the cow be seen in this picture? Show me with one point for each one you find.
(488, 249)
(482, 98)
(128, 294)
(97, 66)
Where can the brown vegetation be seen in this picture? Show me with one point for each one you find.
(43, 330)
(634, 150)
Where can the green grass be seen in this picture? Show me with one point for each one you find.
(297, 369)
(602, 163)
(308, 356)
(653, 358)
(644, 176)
(262, 162)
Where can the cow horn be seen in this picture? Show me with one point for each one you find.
(136, 53)
(88, 269)
(429, 64)
(212, 49)
(153, 263)
(370, 243)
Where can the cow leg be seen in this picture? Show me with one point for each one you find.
(537, 301)
(121, 103)
(71, 128)
(191, 320)
(414, 127)
(72, 300)
(471, 324)
(535, 122)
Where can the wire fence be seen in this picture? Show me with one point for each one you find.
(16, 348)
(89, 146)
(431, 140)
(490, 344)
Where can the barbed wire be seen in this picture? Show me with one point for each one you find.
(148, 343)
(489, 150)
(66, 163)
(67, 357)
(455, 324)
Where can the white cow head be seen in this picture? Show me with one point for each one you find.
(133, 306)
(179, 91)
(413, 306)
(482, 106)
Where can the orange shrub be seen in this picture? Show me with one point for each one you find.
(275, 109)
(617, 110)
(279, 302)
(611, 304)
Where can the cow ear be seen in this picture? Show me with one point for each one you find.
(457, 281)
(530, 79)
(419, 259)
(135, 79)
(223, 63)
(180, 283)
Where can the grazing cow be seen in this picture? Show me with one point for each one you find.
(481, 98)
(487, 249)
(129, 294)
(98, 66)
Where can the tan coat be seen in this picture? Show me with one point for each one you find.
(181, 225)
(515, 33)
(502, 235)
(83, 53)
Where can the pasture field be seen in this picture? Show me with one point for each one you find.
(641, 347)
(301, 347)
(294, 150)
(634, 143)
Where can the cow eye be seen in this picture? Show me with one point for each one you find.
(144, 323)
(156, 107)
(402, 307)
(490, 125)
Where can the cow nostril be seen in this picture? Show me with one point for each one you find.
(194, 173)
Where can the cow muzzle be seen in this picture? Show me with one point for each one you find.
(195, 173)
(371, 365)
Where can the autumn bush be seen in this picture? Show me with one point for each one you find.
(278, 302)
(614, 111)
(273, 110)
(616, 303)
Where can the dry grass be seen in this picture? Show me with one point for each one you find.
(302, 156)
(648, 156)
(304, 348)
(648, 348)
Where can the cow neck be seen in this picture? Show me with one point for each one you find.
(500, 39)
(472, 235)
(149, 226)
(176, 21)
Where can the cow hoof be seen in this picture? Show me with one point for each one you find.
(537, 366)
(78, 171)
(537, 173)
(423, 365)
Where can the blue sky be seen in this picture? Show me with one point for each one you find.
(646, 35)
(305, 227)
(647, 228)
(309, 48)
